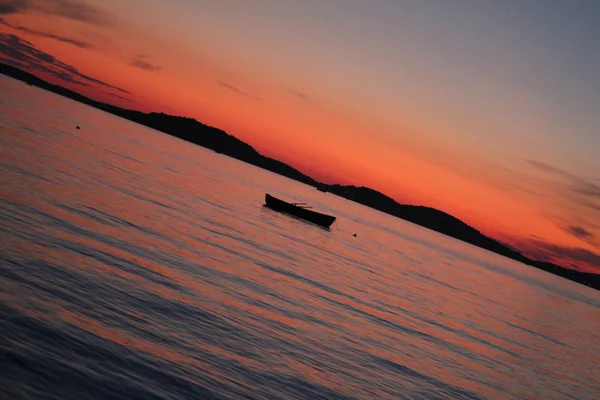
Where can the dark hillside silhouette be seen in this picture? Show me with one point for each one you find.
(220, 141)
(447, 224)
(182, 127)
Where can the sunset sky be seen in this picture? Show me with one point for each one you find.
(488, 110)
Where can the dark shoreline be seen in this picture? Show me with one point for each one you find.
(220, 141)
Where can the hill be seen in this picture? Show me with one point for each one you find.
(182, 127)
(446, 224)
(220, 141)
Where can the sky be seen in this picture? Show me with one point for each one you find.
(487, 110)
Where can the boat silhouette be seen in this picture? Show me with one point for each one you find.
(299, 210)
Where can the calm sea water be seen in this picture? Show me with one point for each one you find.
(138, 266)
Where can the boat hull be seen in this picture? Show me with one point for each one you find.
(276, 204)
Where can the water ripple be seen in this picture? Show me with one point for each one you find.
(136, 266)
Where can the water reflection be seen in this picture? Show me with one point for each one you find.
(143, 266)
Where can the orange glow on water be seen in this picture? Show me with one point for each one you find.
(335, 139)
(162, 250)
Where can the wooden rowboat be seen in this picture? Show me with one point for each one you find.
(300, 210)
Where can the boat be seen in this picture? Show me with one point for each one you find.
(299, 210)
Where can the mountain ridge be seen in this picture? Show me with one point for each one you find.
(196, 132)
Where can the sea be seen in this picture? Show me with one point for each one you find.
(135, 265)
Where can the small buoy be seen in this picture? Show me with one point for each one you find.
(77, 127)
(354, 235)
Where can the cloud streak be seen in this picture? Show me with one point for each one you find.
(70, 9)
(299, 94)
(75, 10)
(49, 35)
(141, 63)
(238, 91)
(12, 6)
(25, 54)
(550, 169)
(579, 232)
(589, 189)
(118, 96)
(583, 192)
(579, 185)
(574, 257)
